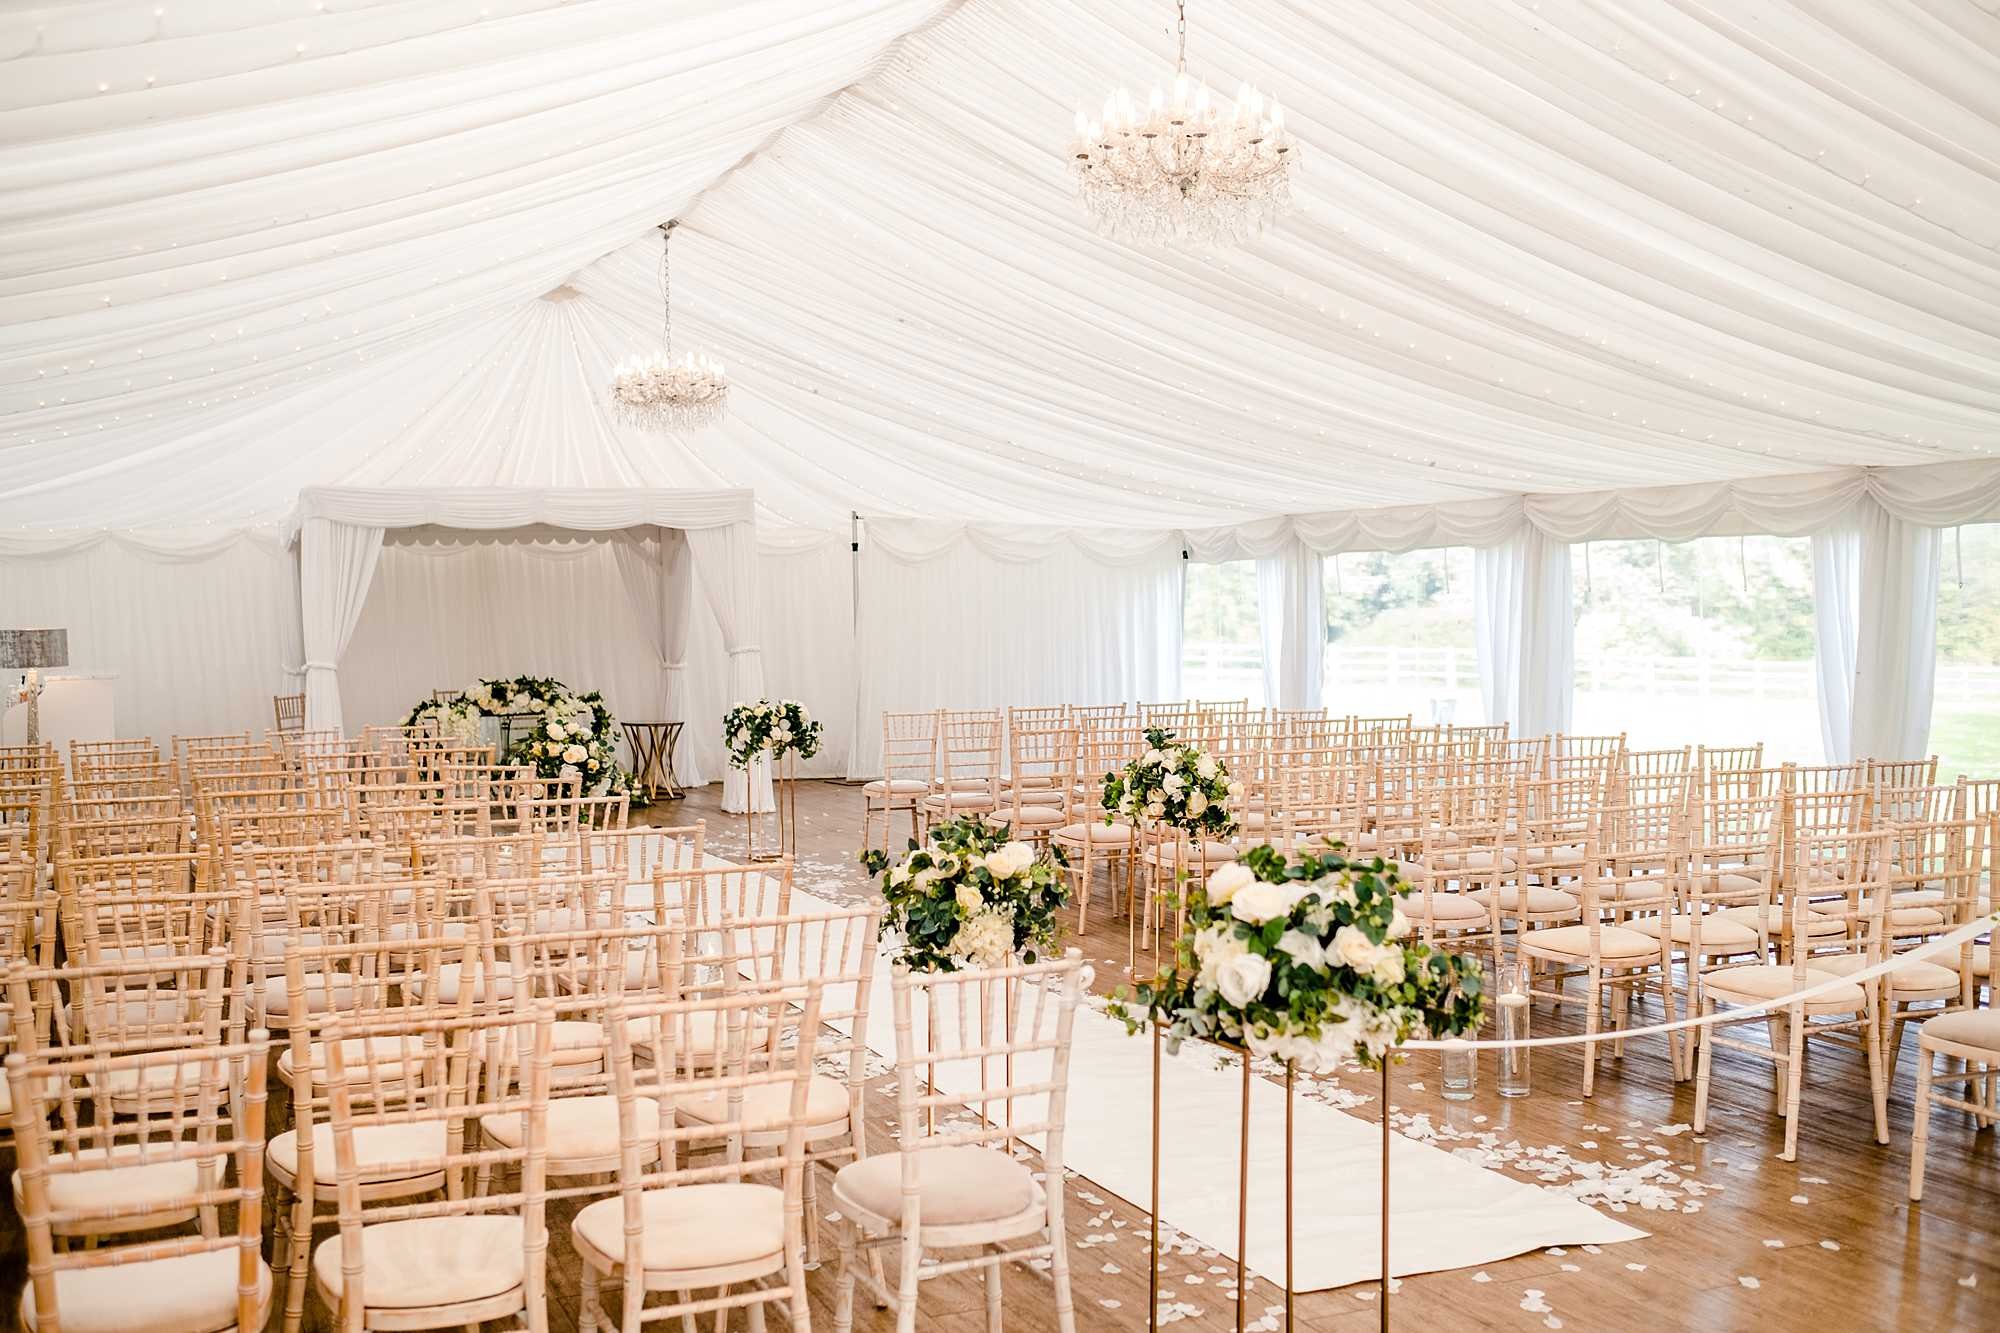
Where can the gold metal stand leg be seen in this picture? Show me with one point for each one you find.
(1385, 1192)
(1243, 1197)
(1153, 1256)
(1289, 1078)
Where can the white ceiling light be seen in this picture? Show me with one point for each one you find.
(656, 392)
(1185, 166)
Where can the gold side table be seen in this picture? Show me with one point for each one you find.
(653, 745)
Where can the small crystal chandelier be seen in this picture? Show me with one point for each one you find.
(659, 393)
(1184, 168)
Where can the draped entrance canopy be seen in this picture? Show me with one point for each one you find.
(708, 537)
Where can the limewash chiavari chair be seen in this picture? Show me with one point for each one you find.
(1614, 961)
(1091, 714)
(1717, 865)
(969, 763)
(1040, 791)
(965, 1188)
(909, 773)
(1938, 863)
(464, 1259)
(203, 1110)
(723, 892)
(680, 1227)
(1971, 1037)
(1106, 747)
(1845, 1009)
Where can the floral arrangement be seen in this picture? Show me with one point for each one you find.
(765, 727)
(970, 897)
(575, 738)
(1306, 961)
(1175, 785)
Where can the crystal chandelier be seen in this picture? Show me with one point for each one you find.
(659, 393)
(1184, 168)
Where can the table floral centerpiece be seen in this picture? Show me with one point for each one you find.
(1309, 962)
(573, 737)
(970, 896)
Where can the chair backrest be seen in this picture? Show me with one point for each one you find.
(717, 892)
(202, 1107)
(370, 1066)
(996, 1041)
(289, 711)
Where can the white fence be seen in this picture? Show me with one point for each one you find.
(1227, 670)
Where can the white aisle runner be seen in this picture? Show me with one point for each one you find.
(1445, 1212)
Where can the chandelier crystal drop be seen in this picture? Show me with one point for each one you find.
(1183, 165)
(659, 393)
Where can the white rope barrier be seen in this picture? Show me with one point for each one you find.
(1735, 1013)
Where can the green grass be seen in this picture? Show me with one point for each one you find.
(1967, 743)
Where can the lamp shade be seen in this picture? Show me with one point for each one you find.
(33, 649)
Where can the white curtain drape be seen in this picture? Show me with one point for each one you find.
(1291, 612)
(1836, 558)
(1524, 627)
(724, 560)
(1895, 661)
(658, 575)
(199, 634)
(336, 565)
(958, 626)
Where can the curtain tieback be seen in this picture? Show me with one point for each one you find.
(746, 648)
(665, 665)
(320, 666)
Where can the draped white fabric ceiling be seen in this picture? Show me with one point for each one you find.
(1539, 247)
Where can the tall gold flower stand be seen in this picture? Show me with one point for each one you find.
(1243, 1189)
(781, 834)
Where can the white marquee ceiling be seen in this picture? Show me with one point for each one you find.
(247, 247)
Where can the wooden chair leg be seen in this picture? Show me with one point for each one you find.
(1795, 1067)
(1920, 1132)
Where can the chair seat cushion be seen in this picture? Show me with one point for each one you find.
(1914, 977)
(1479, 860)
(1096, 834)
(895, 787)
(956, 1185)
(321, 994)
(981, 799)
(690, 1034)
(1767, 981)
(426, 1261)
(1542, 900)
(1982, 960)
(1614, 942)
(484, 988)
(1914, 915)
(770, 1103)
(1774, 919)
(579, 1128)
(1718, 932)
(191, 1293)
(1445, 908)
(157, 1183)
(389, 1053)
(690, 1227)
(1967, 1027)
(381, 1152)
(1031, 816)
(1564, 854)
(1214, 853)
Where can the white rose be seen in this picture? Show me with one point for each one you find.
(1152, 757)
(922, 879)
(1235, 790)
(1205, 767)
(1243, 978)
(1011, 860)
(899, 876)
(1196, 803)
(1352, 948)
(1155, 809)
(1399, 925)
(1303, 949)
(968, 897)
(1173, 782)
(1387, 966)
(574, 755)
(1259, 902)
(783, 733)
(1212, 949)
(556, 731)
(1225, 881)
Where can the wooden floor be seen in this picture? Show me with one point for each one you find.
(1827, 1243)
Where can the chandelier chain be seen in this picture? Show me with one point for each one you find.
(667, 289)
(1180, 60)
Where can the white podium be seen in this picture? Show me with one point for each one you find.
(76, 705)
